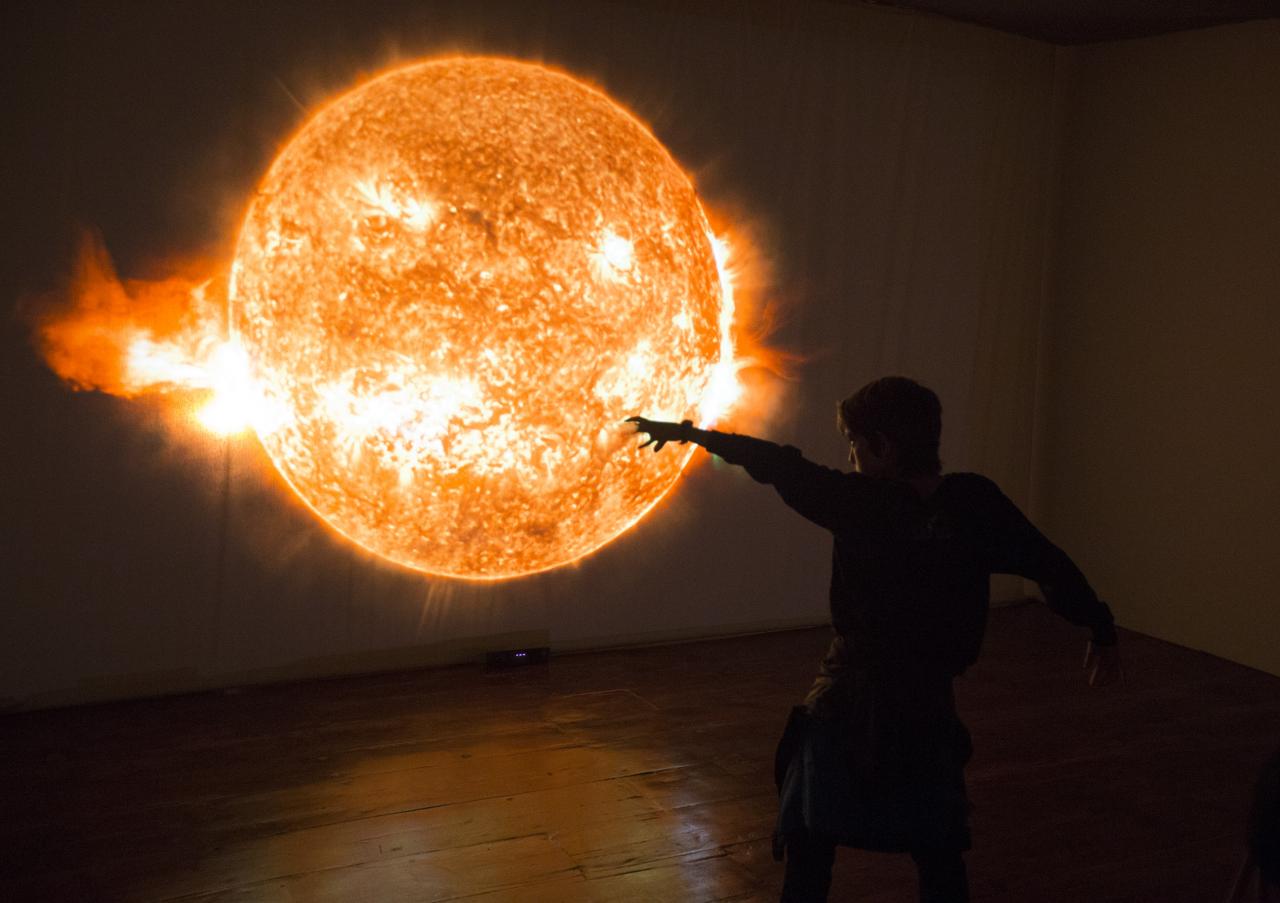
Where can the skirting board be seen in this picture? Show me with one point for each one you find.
(463, 651)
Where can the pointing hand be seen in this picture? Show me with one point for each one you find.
(661, 432)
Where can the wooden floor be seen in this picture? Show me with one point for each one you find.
(621, 776)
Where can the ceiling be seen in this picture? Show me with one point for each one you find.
(1088, 21)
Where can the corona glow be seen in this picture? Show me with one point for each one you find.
(451, 287)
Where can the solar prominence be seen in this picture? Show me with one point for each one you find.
(451, 287)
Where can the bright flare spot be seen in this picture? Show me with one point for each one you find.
(617, 252)
(236, 405)
(723, 389)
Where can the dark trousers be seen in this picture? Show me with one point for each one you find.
(808, 879)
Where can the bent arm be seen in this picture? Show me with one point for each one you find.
(1017, 547)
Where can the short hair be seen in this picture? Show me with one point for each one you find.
(907, 413)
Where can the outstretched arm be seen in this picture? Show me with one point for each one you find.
(828, 497)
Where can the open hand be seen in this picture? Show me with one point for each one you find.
(661, 432)
(1102, 664)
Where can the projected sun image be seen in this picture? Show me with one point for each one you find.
(452, 286)
(449, 290)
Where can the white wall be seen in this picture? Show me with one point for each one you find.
(1162, 436)
(897, 166)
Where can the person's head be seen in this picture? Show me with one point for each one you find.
(894, 427)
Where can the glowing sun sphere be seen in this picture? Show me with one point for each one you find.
(453, 284)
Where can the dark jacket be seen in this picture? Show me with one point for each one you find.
(910, 576)
(876, 756)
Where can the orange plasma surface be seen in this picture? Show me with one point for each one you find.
(453, 284)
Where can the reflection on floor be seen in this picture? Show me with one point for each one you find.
(627, 775)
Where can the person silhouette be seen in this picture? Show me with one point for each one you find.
(874, 758)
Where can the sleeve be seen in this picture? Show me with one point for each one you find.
(1015, 546)
(828, 497)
